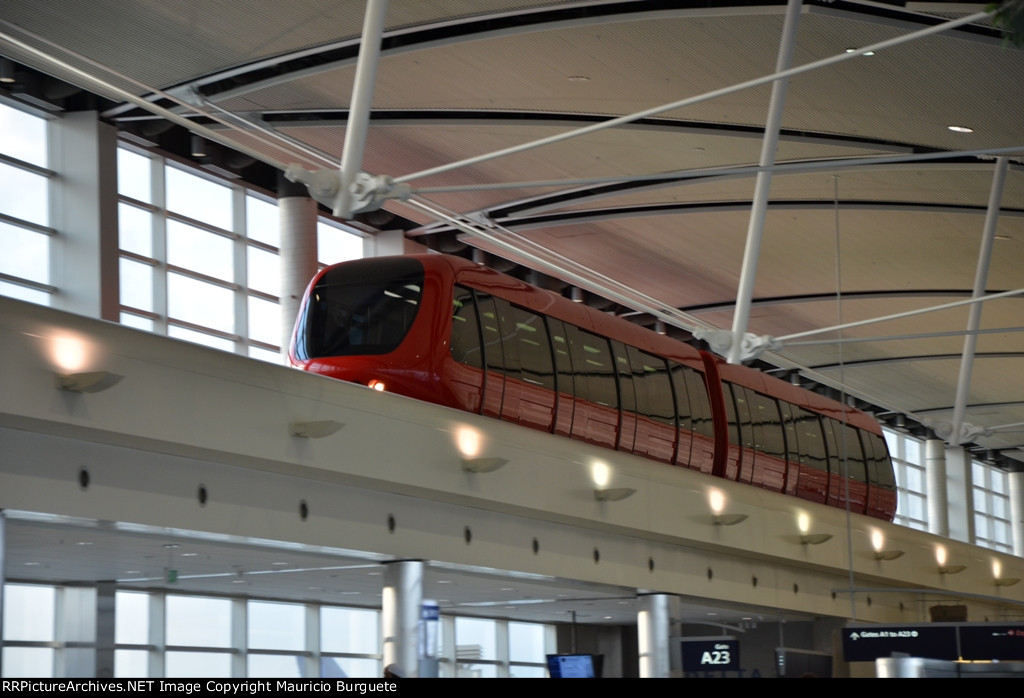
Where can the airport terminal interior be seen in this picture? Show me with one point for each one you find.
(811, 213)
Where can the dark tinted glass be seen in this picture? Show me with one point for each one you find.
(365, 307)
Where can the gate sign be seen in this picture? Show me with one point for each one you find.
(866, 643)
(985, 642)
(711, 655)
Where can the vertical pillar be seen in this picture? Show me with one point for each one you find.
(960, 509)
(84, 263)
(1016, 512)
(76, 626)
(105, 629)
(935, 473)
(400, 614)
(652, 633)
(386, 242)
(298, 251)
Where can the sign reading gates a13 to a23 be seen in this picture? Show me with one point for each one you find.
(869, 642)
(981, 641)
(711, 655)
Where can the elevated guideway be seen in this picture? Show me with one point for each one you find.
(196, 440)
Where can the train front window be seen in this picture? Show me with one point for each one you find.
(364, 307)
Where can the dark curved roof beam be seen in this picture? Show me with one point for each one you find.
(243, 79)
(847, 295)
(919, 357)
(606, 214)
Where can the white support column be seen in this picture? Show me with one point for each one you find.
(76, 626)
(1016, 479)
(652, 632)
(84, 260)
(239, 638)
(935, 474)
(400, 614)
(157, 634)
(384, 243)
(762, 185)
(106, 624)
(298, 252)
(359, 113)
(311, 663)
(961, 504)
(980, 284)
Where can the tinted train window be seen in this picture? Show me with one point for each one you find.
(566, 381)
(731, 417)
(594, 367)
(627, 391)
(694, 406)
(653, 387)
(765, 413)
(490, 332)
(526, 345)
(879, 463)
(813, 452)
(364, 307)
(465, 344)
(846, 457)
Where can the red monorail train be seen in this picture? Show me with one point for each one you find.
(445, 330)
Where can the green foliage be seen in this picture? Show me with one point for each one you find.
(1009, 16)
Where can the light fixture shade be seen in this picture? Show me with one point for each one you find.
(90, 382)
(314, 430)
(198, 146)
(729, 519)
(951, 569)
(888, 554)
(615, 494)
(1007, 581)
(483, 465)
(815, 538)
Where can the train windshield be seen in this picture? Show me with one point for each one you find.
(364, 307)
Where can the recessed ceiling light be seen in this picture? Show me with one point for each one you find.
(961, 129)
(866, 53)
(578, 78)
(32, 564)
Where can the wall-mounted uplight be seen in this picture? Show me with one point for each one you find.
(90, 382)
(314, 430)
(997, 575)
(803, 522)
(613, 494)
(716, 500)
(71, 354)
(942, 558)
(469, 441)
(601, 475)
(483, 465)
(878, 544)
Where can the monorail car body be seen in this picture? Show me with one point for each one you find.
(445, 330)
